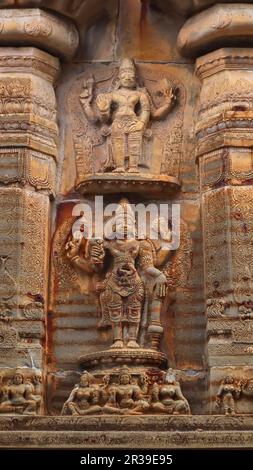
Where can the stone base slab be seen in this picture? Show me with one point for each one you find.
(154, 432)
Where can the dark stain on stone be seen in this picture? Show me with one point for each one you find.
(144, 12)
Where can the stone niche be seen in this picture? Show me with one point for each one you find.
(115, 153)
(112, 335)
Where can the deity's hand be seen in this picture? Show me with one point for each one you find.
(137, 126)
(100, 287)
(161, 290)
(218, 401)
(86, 96)
(103, 104)
(85, 99)
(169, 96)
(97, 252)
(72, 248)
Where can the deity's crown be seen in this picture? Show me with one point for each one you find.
(127, 64)
(124, 209)
(125, 371)
(170, 376)
(18, 371)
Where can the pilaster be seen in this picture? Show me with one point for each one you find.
(225, 159)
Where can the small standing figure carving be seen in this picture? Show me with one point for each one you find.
(124, 114)
(228, 393)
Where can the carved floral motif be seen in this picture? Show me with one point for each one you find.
(8, 336)
(34, 28)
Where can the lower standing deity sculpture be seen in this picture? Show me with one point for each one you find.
(133, 288)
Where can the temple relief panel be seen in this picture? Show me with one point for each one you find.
(144, 140)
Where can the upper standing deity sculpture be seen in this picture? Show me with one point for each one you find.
(124, 114)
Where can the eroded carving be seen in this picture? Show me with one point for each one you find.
(167, 398)
(124, 392)
(229, 392)
(125, 114)
(20, 393)
(8, 336)
(86, 397)
(216, 308)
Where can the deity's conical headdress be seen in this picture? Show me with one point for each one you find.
(125, 371)
(127, 64)
(125, 214)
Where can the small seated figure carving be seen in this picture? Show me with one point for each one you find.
(84, 399)
(19, 396)
(126, 397)
(167, 398)
(228, 392)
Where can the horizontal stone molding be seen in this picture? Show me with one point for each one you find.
(224, 59)
(222, 24)
(35, 27)
(110, 432)
(79, 8)
(126, 423)
(29, 60)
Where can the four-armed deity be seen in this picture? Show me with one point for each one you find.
(132, 291)
(124, 114)
(127, 268)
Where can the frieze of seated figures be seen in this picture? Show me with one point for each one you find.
(127, 395)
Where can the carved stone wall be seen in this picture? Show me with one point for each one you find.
(135, 103)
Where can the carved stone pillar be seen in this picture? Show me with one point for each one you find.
(28, 153)
(224, 152)
(28, 160)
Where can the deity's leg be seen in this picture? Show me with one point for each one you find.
(181, 408)
(116, 314)
(31, 408)
(229, 405)
(134, 315)
(118, 151)
(158, 407)
(92, 410)
(134, 150)
(105, 317)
